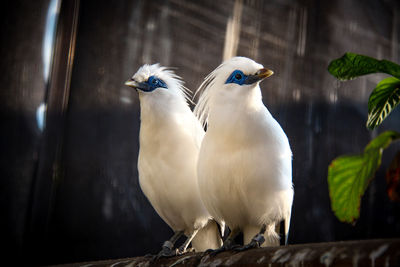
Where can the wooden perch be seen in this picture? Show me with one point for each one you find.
(382, 252)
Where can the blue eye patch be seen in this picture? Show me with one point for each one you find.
(237, 77)
(153, 82)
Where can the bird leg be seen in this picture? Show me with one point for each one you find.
(183, 247)
(167, 248)
(256, 242)
(229, 243)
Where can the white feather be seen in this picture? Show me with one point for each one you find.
(170, 137)
(244, 167)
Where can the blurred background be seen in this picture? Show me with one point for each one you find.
(69, 138)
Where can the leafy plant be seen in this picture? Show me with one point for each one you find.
(349, 176)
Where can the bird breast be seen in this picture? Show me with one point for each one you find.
(244, 164)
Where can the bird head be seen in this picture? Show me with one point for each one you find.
(233, 82)
(154, 80)
(242, 71)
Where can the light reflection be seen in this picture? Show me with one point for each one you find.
(47, 51)
(40, 116)
(126, 100)
(232, 33)
(49, 35)
(296, 95)
(301, 45)
(333, 97)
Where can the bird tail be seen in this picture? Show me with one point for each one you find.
(208, 237)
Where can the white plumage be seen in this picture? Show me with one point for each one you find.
(245, 161)
(170, 137)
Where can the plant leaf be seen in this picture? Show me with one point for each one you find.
(351, 65)
(349, 176)
(384, 98)
(393, 179)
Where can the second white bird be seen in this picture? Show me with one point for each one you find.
(245, 161)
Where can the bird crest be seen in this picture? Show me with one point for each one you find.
(204, 91)
(174, 82)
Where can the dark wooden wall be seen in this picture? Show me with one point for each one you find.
(70, 192)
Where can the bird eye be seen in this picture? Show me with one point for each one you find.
(238, 76)
(153, 81)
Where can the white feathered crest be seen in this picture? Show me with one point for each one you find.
(173, 81)
(204, 91)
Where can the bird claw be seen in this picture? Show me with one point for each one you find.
(225, 247)
(182, 251)
(166, 251)
(213, 252)
(256, 242)
(187, 251)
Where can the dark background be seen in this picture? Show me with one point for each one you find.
(70, 192)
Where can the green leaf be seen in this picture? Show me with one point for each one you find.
(384, 98)
(349, 176)
(351, 65)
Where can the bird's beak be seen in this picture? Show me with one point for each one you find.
(134, 84)
(264, 73)
(259, 75)
(131, 83)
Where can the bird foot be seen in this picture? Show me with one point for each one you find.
(225, 247)
(256, 242)
(213, 252)
(182, 250)
(166, 251)
(190, 250)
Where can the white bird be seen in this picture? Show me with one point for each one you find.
(170, 137)
(245, 161)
